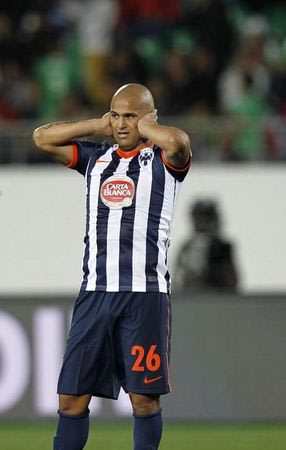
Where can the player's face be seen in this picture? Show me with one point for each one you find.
(125, 114)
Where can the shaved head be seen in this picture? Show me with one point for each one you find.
(137, 92)
(129, 104)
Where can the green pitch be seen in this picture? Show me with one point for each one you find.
(38, 436)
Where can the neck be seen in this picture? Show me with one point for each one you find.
(124, 153)
(139, 146)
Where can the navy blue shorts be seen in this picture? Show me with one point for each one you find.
(118, 339)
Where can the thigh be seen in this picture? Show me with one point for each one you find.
(143, 344)
(88, 361)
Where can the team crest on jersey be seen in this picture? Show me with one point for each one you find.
(146, 156)
(117, 191)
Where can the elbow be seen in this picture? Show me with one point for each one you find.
(37, 137)
(39, 140)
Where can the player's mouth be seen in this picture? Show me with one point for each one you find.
(123, 134)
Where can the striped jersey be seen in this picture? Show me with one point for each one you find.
(130, 200)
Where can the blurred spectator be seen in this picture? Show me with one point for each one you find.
(203, 79)
(232, 80)
(176, 83)
(209, 22)
(206, 260)
(147, 18)
(188, 81)
(18, 93)
(256, 4)
(125, 66)
(278, 81)
(278, 91)
(275, 139)
(8, 46)
(243, 93)
(55, 76)
(95, 25)
(248, 112)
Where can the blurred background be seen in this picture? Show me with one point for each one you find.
(217, 69)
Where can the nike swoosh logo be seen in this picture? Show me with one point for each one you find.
(151, 380)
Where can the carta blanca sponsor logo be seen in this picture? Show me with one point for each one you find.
(118, 189)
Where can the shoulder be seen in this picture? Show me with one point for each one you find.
(92, 146)
(84, 151)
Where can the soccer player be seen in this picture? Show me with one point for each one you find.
(120, 331)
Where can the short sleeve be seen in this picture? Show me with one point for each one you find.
(82, 152)
(178, 174)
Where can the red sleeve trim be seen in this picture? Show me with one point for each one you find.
(74, 160)
(176, 169)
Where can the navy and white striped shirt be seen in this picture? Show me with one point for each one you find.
(129, 207)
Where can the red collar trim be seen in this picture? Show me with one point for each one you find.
(124, 154)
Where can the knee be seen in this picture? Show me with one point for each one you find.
(145, 405)
(74, 405)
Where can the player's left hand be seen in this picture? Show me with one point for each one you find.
(147, 120)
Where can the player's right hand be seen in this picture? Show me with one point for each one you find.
(106, 126)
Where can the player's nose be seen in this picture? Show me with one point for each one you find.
(121, 122)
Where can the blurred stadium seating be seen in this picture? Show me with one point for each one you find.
(218, 66)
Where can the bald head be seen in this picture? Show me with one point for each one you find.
(135, 92)
(128, 105)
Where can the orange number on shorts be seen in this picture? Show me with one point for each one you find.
(153, 360)
(140, 350)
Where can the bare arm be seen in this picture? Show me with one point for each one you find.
(55, 139)
(174, 142)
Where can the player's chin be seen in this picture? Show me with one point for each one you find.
(127, 144)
